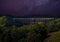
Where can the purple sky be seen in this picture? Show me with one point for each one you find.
(30, 7)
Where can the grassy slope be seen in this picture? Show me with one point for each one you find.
(54, 37)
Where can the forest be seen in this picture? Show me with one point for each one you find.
(11, 31)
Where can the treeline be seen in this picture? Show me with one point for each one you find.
(35, 32)
(10, 21)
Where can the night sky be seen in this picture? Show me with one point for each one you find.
(32, 8)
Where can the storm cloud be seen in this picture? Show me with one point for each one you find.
(30, 7)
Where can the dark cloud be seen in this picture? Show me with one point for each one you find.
(30, 8)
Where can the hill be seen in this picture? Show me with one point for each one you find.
(54, 37)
